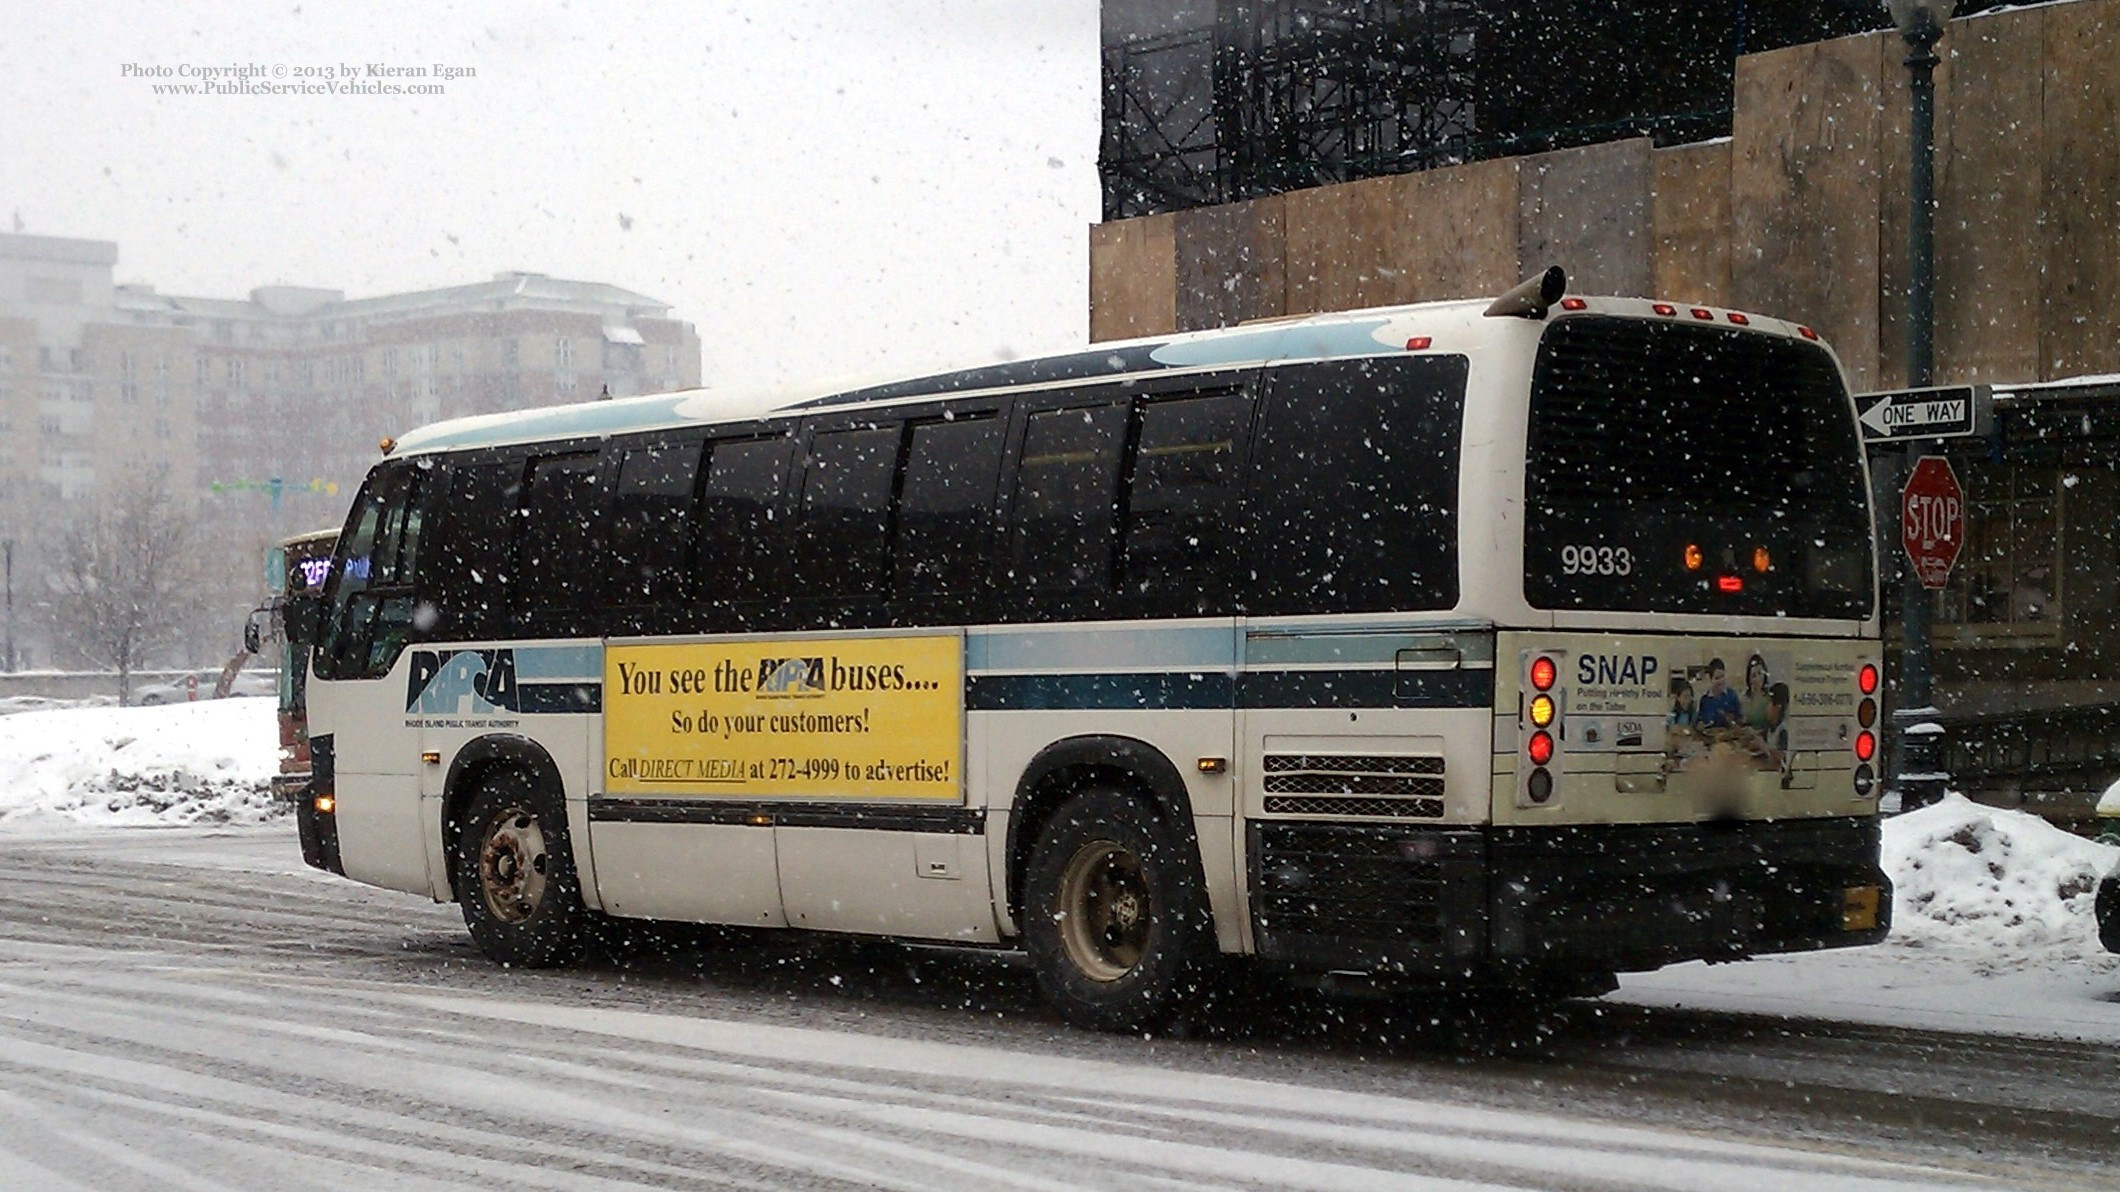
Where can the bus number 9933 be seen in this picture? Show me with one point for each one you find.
(1597, 560)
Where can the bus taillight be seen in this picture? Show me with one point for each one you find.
(1866, 678)
(1729, 583)
(1543, 673)
(1540, 750)
(1865, 745)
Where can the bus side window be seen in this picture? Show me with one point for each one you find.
(554, 543)
(840, 545)
(742, 529)
(944, 513)
(650, 530)
(1181, 535)
(1354, 487)
(1065, 514)
(463, 570)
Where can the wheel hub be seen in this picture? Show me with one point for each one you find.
(1104, 910)
(512, 866)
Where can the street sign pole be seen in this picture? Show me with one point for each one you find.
(1918, 772)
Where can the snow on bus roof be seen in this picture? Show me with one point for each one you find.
(1323, 336)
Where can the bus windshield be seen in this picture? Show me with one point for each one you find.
(1682, 468)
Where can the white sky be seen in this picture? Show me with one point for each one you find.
(823, 188)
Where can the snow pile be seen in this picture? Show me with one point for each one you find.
(2001, 889)
(197, 763)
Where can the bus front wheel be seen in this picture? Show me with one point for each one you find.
(515, 875)
(1113, 924)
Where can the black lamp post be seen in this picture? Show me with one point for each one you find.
(1919, 777)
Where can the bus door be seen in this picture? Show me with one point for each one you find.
(368, 620)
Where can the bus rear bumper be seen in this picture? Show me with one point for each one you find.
(1474, 903)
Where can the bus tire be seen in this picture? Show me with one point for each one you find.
(515, 875)
(1116, 926)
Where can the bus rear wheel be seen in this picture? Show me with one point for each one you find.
(515, 875)
(1114, 920)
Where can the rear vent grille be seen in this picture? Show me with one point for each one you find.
(1378, 785)
(1345, 881)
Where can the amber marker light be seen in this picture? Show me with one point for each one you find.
(1693, 556)
(325, 804)
(1761, 560)
(1542, 710)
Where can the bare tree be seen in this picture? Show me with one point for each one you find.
(122, 575)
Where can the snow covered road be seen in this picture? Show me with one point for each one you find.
(191, 1010)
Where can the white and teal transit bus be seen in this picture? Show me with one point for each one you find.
(1466, 643)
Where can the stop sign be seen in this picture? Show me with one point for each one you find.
(1932, 519)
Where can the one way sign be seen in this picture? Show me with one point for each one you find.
(1896, 415)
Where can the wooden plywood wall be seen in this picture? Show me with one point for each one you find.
(1689, 222)
(1989, 194)
(1804, 192)
(1588, 210)
(1230, 264)
(2079, 311)
(1133, 280)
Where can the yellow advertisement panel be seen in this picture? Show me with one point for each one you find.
(859, 718)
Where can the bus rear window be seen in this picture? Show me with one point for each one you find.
(1681, 468)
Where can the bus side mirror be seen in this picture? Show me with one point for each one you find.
(251, 636)
(302, 614)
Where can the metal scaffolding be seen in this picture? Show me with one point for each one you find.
(1216, 101)
(1274, 95)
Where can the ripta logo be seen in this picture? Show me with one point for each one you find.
(791, 676)
(441, 683)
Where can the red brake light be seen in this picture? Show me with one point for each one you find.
(1573, 304)
(1540, 747)
(1866, 678)
(1729, 583)
(1865, 746)
(1419, 343)
(1543, 673)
